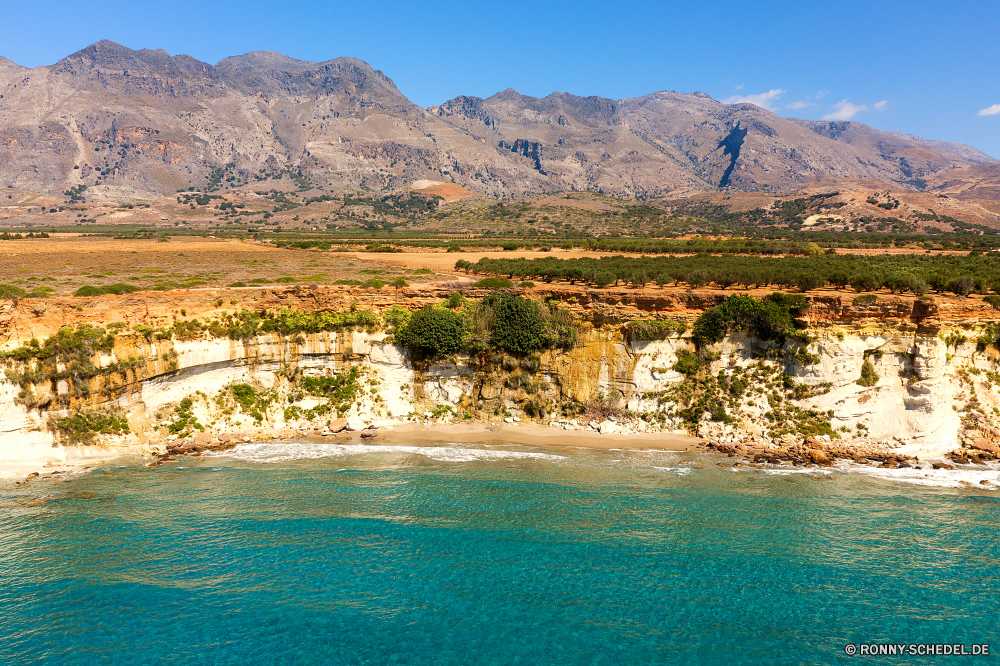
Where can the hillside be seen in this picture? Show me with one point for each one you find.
(143, 124)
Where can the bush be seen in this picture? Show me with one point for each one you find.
(767, 319)
(117, 288)
(83, 427)
(866, 299)
(993, 300)
(434, 330)
(397, 318)
(373, 283)
(650, 330)
(494, 283)
(687, 363)
(10, 291)
(289, 322)
(868, 375)
(518, 325)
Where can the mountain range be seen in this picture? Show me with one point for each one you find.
(142, 123)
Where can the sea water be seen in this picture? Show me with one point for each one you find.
(301, 553)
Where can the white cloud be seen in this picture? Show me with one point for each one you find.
(844, 111)
(822, 93)
(763, 100)
(990, 110)
(800, 104)
(739, 87)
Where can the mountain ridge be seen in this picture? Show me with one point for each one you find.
(142, 122)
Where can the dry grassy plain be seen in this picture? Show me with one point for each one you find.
(66, 262)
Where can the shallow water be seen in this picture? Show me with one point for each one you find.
(300, 553)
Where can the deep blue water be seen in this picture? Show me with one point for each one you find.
(373, 555)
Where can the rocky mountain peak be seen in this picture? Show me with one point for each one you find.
(109, 55)
(273, 73)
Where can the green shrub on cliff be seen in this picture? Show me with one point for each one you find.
(289, 322)
(252, 403)
(640, 329)
(869, 377)
(247, 323)
(72, 347)
(83, 427)
(687, 363)
(518, 325)
(500, 321)
(434, 330)
(340, 392)
(397, 318)
(770, 318)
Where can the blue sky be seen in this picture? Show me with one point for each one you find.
(927, 68)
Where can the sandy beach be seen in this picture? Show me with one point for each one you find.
(530, 434)
(76, 459)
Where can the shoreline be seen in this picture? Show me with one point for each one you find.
(968, 477)
(416, 434)
(531, 434)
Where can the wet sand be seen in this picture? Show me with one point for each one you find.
(530, 434)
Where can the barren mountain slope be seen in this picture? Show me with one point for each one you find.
(979, 182)
(141, 124)
(653, 144)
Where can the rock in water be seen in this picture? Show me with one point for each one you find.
(820, 457)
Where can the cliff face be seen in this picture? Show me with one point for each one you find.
(899, 370)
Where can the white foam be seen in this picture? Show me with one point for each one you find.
(682, 471)
(275, 452)
(960, 477)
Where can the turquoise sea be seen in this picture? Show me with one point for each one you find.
(298, 553)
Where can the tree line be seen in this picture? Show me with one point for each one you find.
(917, 274)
